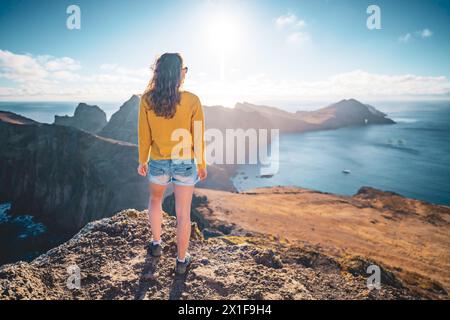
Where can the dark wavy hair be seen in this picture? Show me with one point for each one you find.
(162, 94)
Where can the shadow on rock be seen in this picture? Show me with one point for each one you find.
(148, 277)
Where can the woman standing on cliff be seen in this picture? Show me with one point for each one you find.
(171, 135)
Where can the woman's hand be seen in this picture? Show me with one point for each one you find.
(142, 169)
(202, 173)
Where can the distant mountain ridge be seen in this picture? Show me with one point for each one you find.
(123, 123)
(347, 113)
(86, 117)
(11, 117)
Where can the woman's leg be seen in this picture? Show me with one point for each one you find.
(183, 200)
(155, 209)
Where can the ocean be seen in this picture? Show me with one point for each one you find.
(24, 238)
(411, 157)
(45, 111)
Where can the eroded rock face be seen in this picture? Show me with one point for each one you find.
(67, 177)
(86, 117)
(123, 123)
(11, 117)
(351, 112)
(114, 264)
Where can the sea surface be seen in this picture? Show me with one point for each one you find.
(411, 157)
(22, 237)
(45, 111)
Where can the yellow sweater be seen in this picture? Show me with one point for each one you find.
(158, 137)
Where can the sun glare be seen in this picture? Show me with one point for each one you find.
(223, 33)
(223, 38)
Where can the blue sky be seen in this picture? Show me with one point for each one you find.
(256, 50)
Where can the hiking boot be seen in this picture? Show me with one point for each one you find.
(155, 249)
(181, 267)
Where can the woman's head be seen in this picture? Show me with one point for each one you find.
(162, 94)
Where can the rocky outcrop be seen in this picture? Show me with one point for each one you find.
(341, 114)
(123, 123)
(113, 263)
(67, 177)
(11, 117)
(349, 112)
(249, 116)
(412, 237)
(86, 117)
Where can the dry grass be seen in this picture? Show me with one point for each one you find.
(393, 230)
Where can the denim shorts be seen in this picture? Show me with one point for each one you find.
(179, 171)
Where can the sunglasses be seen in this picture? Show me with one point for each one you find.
(185, 69)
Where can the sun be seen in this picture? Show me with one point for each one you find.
(223, 37)
(223, 33)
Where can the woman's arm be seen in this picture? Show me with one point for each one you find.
(198, 133)
(144, 134)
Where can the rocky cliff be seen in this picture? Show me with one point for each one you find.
(11, 117)
(346, 113)
(113, 263)
(86, 117)
(123, 123)
(67, 177)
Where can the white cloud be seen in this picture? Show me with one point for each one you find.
(51, 63)
(108, 67)
(421, 34)
(357, 84)
(297, 37)
(405, 38)
(20, 67)
(7, 91)
(369, 84)
(24, 68)
(141, 72)
(425, 33)
(292, 23)
(289, 20)
(45, 77)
